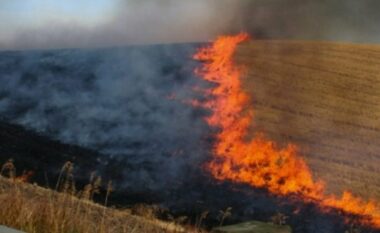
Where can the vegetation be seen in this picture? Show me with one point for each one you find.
(35, 209)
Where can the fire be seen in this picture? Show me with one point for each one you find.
(25, 177)
(258, 161)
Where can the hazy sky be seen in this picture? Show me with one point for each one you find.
(36, 12)
(28, 24)
(88, 23)
(18, 15)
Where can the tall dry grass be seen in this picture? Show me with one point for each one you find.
(34, 209)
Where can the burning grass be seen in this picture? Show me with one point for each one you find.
(324, 97)
(34, 209)
(258, 161)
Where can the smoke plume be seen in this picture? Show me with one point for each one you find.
(169, 21)
(127, 103)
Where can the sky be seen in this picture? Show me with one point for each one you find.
(23, 14)
(30, 24)
(45, 24)
(39, 10)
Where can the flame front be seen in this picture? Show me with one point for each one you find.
(258, 161)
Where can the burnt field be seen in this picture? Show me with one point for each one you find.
(125, 114)
(325, 98)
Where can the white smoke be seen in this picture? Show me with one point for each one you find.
(132, 22)
(171, 21)
(116, 101)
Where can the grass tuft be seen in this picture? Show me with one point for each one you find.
(34, 209)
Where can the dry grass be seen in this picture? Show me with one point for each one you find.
(325, 97)
(35, 209)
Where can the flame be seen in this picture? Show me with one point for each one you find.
(25, 177)
(258, 161)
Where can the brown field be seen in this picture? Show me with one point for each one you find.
(324, 97)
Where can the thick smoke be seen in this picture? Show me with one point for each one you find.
(169, 21)
(127, 103)
(337, 20)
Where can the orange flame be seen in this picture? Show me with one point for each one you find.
(25, 177)
(259, 162)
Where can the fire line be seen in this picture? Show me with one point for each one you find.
(258, 161)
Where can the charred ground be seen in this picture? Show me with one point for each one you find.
(165, 150)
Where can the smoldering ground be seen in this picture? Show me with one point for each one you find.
(127, 103)
(130, 104)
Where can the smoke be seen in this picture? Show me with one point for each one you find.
(126, 103)
(169, 21)
(338, 20)
(132, 22)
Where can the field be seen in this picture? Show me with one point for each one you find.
(35, 209)
(324, 97)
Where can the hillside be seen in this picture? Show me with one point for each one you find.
(325, 98)
(124, 105)
(34, 209)
(126, 120)
(42, 155)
